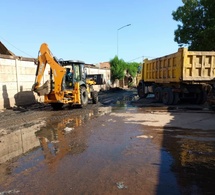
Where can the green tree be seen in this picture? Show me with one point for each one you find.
(118, 67)
(132, 68)
(197, 24)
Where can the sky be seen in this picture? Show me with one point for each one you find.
(89, 30)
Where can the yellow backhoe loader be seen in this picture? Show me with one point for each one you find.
(67, 83)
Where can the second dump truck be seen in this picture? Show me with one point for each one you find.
(179, 76)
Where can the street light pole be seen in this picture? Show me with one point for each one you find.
(118, 35)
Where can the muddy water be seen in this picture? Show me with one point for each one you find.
(111, 150)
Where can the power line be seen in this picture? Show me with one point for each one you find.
(16, 47)
(136, 58)
(143, 57)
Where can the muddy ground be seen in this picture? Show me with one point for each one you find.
(122, 145)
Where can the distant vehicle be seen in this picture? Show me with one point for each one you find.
(179, 76)
(67, 84)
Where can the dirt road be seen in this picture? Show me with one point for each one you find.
(120, 146)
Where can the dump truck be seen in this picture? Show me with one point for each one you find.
(184, 75)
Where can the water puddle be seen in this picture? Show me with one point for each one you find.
(49, 135)
(194, 159)
(73, 153)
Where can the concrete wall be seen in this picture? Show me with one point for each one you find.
(17, 75)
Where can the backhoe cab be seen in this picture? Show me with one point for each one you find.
(67, 83)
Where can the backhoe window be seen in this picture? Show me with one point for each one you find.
(77, 76)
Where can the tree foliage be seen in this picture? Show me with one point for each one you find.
(132, 68)
(118, 67)
(197, 24)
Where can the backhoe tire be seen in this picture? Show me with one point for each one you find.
(57, 106)
(94, 95)
(84, 96)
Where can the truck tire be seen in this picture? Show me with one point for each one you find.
(167, 96)
(141, 91)
(201, 97)
(84, 96)
(94, 95)
(176, 98)
(158, 94)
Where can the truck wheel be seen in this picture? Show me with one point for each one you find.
(176, 98)
(201, 97)
(84, 96)
(141, 91)
(57, 106)
(158, 94)
(94, 95)
(167, 96)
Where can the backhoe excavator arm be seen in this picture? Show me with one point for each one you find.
(58, 72)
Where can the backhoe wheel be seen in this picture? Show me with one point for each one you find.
(94, 96)
(57, 106)
(84, 96)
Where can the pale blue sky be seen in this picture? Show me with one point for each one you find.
(87, 29)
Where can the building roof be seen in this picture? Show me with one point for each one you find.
(105, 65)
(4, 50)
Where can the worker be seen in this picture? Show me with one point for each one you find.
(69, 74)
(69, 77)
